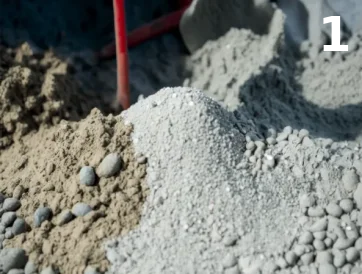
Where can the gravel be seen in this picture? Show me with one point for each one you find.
(11, 258)
(87, 176)
(81, 209)
(42, 214)
(109, 166)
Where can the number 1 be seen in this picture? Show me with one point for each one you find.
(336, 34)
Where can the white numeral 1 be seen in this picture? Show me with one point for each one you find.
(336, 34)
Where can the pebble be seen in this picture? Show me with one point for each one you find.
(316, 211)
(8, 218)
(319, 225)
(291, 258)
(306, 238)
(11, 258)
(232, 270)
(324, 257)
(30, 268)
(327, 269)
(319, 245)
(350, 180)
(2, 198)
(352, 255)
(307, 258)
(334, 210)
(2, 229)
(339, 258)
(110, 165)
(64, 217)
(19, 226)
(8, 233)
(357, 196)
(16, 271)
(87, 176)
(11, 204)
(358, 244)
(229, 261)
(250, 146)
(303, 133)
(282, 137)
(90, 270)
(343, 243)
(346, 205)
(42, 214)
(299, 250)
(48, 270)
(321, 235)
(307, 200)
(271, 141)
(81, 209)
(328, 242)
(281, 262)
(229, 240)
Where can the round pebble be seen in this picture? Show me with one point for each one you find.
(2, 229)
(324, 257)
(11, 204)
(343, 243)
(229, 261)
(110, 165)
(328, 242)
(299, 250)
(81, 209)
(358, 244)
(87, 176)
(30, 268)
(339, 259)
(64, 217)
(8, 218)
(281, 262)
(319, 245)
(334, 210)
(291, 258)
(316, 211)
(90, 270)
(303, 133)
(357, 196)
(319, 225)
(307, 258)
(307, 200)
(306, 238)
(321, 235)
(327, 269)
(352, 255)
(350, 180)
(346, 205)
(19, 226)
(250, 146)
(48, 270)
(42, 214)
(9, 234)
(12, 258)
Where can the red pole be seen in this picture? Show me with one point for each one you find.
(123, 94)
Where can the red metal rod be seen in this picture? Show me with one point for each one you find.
(155, 28)
(123, 94)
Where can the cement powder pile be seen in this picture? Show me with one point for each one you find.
(268, 187)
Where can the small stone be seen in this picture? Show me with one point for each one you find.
(282, 137)
(50, 168)
(303, 133)
(110, 165)
(42, 214)
(339, 258)
(334, 210)
(299, 250)
(31, 268)
(11, 204)
(358, 244)
(350, 180)
(229, 261)
(324, 257)
(321, 235)
(306, 238)
(281, 262)
(319, 245)
(230, 240)
(343, 243)
(352, 255)
(357, 196)
(16, 271)
(87, 176)
(12, 258)
(9, 234)
(91, 270)
(8, 218)
(269, 161)
(64, 217)
(307, 200)
(328, 242)
(81, 209)
(307, 258)
(346, 205)
(232, 270)
(260, 144)
(316, 211)
(291, 258)
(319, 225)
(271, 141)
(19, 226)
(18, 192)
(48, 270)
(2, 229)
(250, 146)
(327, 269)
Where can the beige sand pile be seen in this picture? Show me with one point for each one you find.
(37, 89)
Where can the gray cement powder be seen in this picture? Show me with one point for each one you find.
(212, 207)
